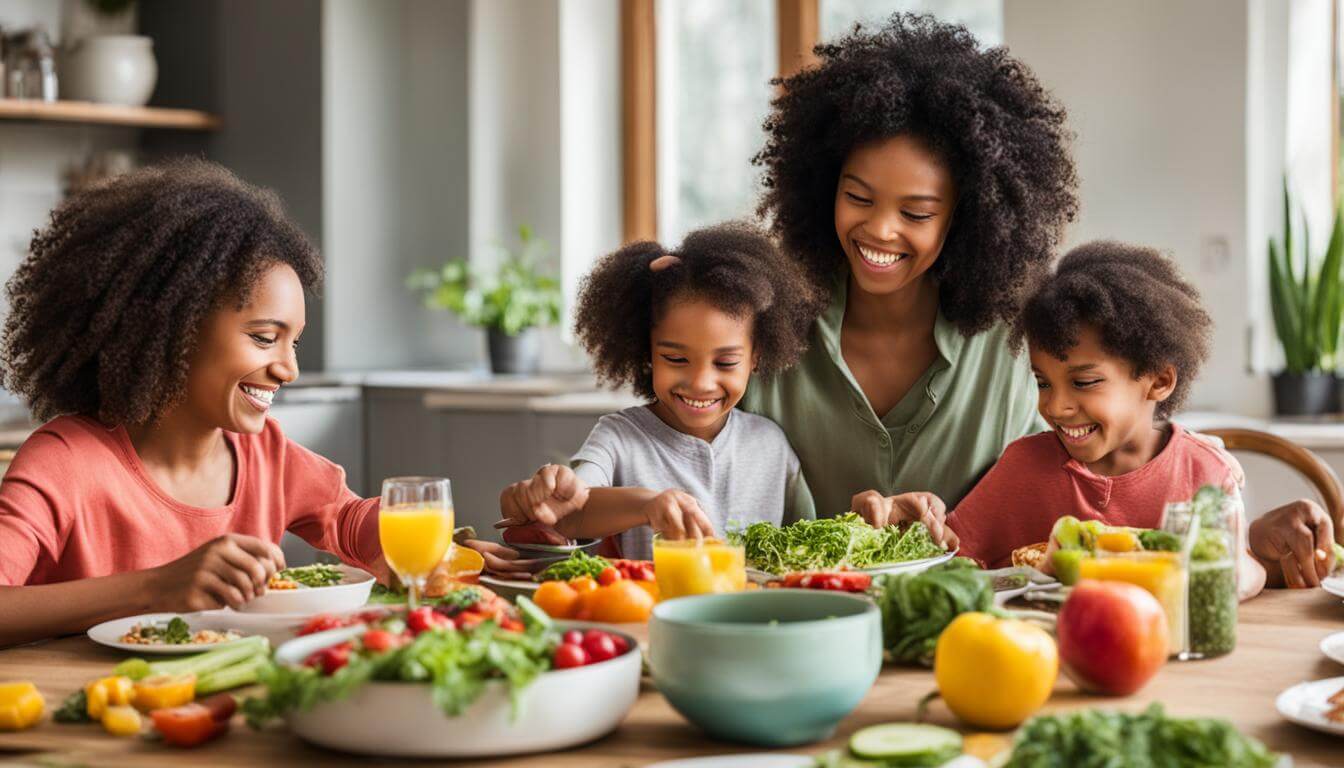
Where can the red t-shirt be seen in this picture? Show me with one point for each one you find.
(76, 503)
(1036, 482)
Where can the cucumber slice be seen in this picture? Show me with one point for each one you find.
(906, 744)
(532, 613)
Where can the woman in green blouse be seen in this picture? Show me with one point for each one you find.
(924, 181)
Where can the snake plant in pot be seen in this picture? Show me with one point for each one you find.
(1307, 302)
(511, 302)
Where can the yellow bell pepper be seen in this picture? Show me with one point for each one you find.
(20, 706)
(121, 720)
(107, 692)
(1117, 540)
(160, 691)
(994, 673)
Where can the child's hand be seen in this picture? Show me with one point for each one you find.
(551, 494)
(879, 511)
(1295, 543)
(503, 561)
(676, 515)
(229, 570)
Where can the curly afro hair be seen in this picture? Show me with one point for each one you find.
(1001, 134)
(732, 266)
(1137, 301)
(106, 308)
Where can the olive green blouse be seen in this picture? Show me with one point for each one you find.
(946, 432)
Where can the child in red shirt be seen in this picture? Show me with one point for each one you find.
(153, 322)
(1116, 337)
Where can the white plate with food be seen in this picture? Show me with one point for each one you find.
(509, 588)
(166, 633)
(1334, 585)
(316, 588)
(1318, 705)
(1333, 647)
(910, 566)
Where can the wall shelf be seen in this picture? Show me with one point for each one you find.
(88, 113)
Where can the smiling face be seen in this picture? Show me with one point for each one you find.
(702, 360)
(243, 356)
(893, 209)
(1098, 409)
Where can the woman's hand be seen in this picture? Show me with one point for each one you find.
(878, 511)
(502, 560)
(228, 570)
(547, 497)
(676, 515)
(1295, 543)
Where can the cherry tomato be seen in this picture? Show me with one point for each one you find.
(572, 637)
(599, 646)
(621, 645)
(221, 706)
(379, 640)
(424, 618)
(321, 623)
(511, 624)
(330, 659)
(609, 575)
(569, 655)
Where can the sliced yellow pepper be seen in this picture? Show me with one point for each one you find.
(161, 691)
(121, 720)
(20, 705)
(107, 692)
(1117, 540)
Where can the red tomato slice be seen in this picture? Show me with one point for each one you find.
(188, 725)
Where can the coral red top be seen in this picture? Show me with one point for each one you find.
(76, 503)
(1036, 482)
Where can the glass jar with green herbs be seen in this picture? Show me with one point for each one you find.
(1208, 525)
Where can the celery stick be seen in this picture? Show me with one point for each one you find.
(232, 676)
(210, 661)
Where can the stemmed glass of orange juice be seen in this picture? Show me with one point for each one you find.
(415, 527)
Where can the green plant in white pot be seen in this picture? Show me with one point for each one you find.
(1307, 300)
(511, 302)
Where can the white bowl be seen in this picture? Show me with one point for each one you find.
(351, 593)
(559, 709)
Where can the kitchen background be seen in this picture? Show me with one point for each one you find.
(403, 133)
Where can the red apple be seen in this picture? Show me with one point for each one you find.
(1112, 636)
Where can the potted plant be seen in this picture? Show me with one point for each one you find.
(511, 303)
(1307, 312)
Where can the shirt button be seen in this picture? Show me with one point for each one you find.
(913, 429)
(884, 440)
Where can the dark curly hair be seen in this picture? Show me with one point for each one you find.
(1001, 134)
(733, 266)
(1137, 300)
(106, 308)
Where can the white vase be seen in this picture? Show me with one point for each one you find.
(110, 69)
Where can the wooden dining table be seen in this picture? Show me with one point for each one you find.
(1277, 646)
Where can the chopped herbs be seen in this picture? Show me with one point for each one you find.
(840, 542)
(1098, 739)
(316, 575)
(580, 563)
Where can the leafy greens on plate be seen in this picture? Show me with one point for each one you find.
(917, 607)
(827, 544)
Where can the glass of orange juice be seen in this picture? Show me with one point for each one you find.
(1162, 574)
(415, 527)
(697, 567)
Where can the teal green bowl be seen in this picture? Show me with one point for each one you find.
(772, 668)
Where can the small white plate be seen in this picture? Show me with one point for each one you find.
(1305, 704)
(1333, 647)
(508, 588)
(109, 633)
(1334, 585)
(351, 593)
(909, 566)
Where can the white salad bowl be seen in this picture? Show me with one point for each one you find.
(351, 593)
(559, 709)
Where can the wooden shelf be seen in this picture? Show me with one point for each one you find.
(88, 113)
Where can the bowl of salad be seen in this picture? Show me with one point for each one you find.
(469, 677)
(842, 543)
(317, 588)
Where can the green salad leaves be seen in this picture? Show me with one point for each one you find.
(840, 542)
(315, 575)
(580, 563)
(456, 665)
(1098, 739)
(917, 607)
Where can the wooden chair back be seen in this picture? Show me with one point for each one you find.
(1308, 464)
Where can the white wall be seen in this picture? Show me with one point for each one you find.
(395, 178)
(1168, 146)
(545, 137)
